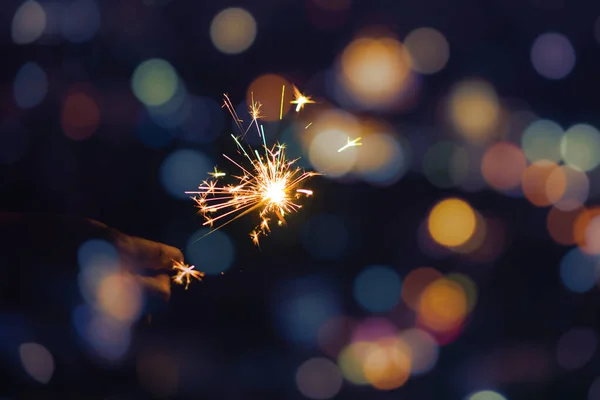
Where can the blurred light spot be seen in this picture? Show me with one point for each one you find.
(107, 338)
(173, 112)
(14, 141)
(423, 349)
(581, 229)
(486, 395)
(377, 288)
(324, 155)
(476, 239)
(381, 159)
(325, 236)
(154, 82)
(567, 188)
(303, 306)
(352, 359)
(415, 283)
(552, 55)
(29, 23)
(474, 110)
(451, 222)
(204, 121)
(542, 141)
(30, 86)
(576, 348)
(266, 90)
(184, 170)
(446, 164)
(469, 287)
(579, 271)
(334, 334)
(233, 30)
(429, 50)
(580, 147)
(503, 165)
(443, 305)
(387, 365)
(80, 116)
(37, 361)
(158, 372)
(319, 378)
(375, 71)
(561, 225)
(120, 297)
(535, 183)
(212, 254)
(80, 21)
(97, 260)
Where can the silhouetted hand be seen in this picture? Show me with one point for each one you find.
(39, 267)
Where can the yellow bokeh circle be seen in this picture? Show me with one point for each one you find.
(451, 222)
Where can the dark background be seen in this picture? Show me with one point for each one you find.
(226, 332)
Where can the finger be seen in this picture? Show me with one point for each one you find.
(145, 254)
(159, 285)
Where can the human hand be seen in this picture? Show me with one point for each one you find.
(38, 259)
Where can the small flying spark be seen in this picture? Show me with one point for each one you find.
(185, 273)
(300, 100)
(351, 143)
(216, 173)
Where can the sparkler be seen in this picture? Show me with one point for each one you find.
(269, 184)
(185, 273)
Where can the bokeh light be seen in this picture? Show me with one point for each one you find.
(266, 90)
(80, 20)
(552, 55)
(335, 333)
(29, 22)
(375, 71)
(579, 272)
(486, 395)
(80, 116)
(503, 165)
(319, 378)
(233, 30)
(576, 348)
(451, 222)
(423, 348)
(584, 229)
(183, 170)
(443, 305)
(154, 82)
(120, 297)
(446, 164)
(324, 156)
(213, 253)
(381, 159)
(536, 183)
(387, 364)
(561, 225)
(567, 188)
(30, 85)
(37, 361)
(377, 288)
(415, 283)
(429, 50)
(542, 141)
(474, 110)
(352, 359)
(580, 147)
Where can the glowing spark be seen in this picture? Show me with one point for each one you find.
(217, 173)
(351, 143)
(300, 100)
(306, 127)
(282, 98)
(185, 273)
(269, 184)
